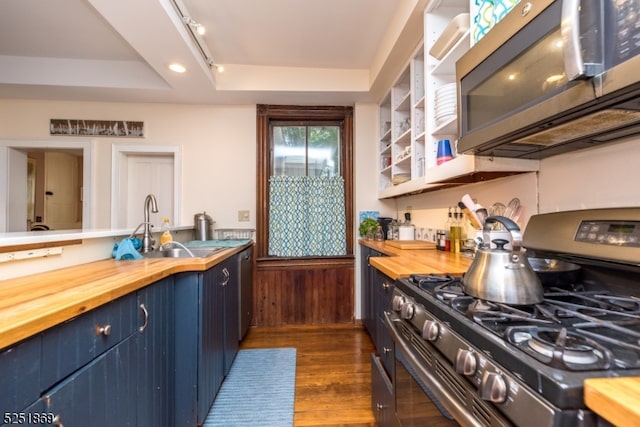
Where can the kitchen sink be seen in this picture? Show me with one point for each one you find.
(201, 252)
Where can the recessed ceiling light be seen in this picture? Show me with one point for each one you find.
(177, 68)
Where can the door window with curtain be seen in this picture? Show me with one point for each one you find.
(304, 182)
(306, 197)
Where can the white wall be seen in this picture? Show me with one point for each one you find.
(219, 166)
(605, 176)
(366, 178)
(218, 149)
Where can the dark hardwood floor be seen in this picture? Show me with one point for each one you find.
(333, 372)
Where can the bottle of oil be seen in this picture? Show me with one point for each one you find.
(455, 232)
(447, 231)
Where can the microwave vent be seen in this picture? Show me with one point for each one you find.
(591, 124)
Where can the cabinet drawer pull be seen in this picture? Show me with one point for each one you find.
(226, 276)
(57, 421)
(103, 330)
(145, 312)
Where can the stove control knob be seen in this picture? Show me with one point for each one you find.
(430, 330)
(397, 302)
(407, 310)
(466, 363)
(493, 388)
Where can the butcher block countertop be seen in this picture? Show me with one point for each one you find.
(31, 304)
(399, 262)
(615, 399)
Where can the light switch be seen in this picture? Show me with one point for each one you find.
(244, 216)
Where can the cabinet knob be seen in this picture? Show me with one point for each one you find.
(385, 286)
(103, 330)
(386, 350)
(57, 421)
(380, 406)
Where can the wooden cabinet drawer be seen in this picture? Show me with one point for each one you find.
(382, 398)
(101, 394)
(20, 375)
(72, 344)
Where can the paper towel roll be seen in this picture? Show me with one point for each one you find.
(406, 232)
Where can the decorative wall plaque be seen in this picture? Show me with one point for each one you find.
(113, 128)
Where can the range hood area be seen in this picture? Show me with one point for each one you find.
(551, 77)
(591, 125)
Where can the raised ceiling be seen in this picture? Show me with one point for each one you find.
(273, 51)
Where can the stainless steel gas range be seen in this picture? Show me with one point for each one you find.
(492, 364)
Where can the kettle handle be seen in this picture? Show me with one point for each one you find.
(510, 225)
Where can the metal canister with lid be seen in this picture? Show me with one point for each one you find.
(203, 224)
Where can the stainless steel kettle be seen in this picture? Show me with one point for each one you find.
(502, 275)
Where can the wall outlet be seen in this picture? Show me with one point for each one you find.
(244, 216)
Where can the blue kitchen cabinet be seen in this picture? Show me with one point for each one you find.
(101, 394)
(74, 343)
(19, 376)
(155, 354)
(207, 339)
(383, 289)
(368, 290)
(229, 280)
(382, 397)
(110, 366)
(199, 351)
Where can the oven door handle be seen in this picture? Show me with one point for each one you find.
(458, 410)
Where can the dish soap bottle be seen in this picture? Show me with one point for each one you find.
(166, 236)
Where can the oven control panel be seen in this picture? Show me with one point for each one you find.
(615, 233)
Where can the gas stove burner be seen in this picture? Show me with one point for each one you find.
(425, 279)
(435, 283)
(595, 303)
(496, 317)
(560, 348)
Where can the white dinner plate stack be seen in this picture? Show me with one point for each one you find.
(445, 103)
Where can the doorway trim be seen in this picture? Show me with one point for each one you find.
(119, 154)
(86, 145)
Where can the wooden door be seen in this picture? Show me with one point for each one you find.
(63, 181)
(17, 197)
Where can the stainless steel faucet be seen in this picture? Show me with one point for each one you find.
(147, 239)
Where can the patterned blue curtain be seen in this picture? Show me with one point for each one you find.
(306, 216)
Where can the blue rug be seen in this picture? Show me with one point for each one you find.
(259, 390)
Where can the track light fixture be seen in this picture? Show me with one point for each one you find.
(196, 30)
(195, 25)
(219, 68)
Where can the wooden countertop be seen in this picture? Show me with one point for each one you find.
(399, 262)
(31, 304)
(615, 399)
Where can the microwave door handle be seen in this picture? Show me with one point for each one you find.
(570, 32)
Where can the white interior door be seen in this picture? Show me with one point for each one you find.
(62, 204)
(148, 174)
(16, 191)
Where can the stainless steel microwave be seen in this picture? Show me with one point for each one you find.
(551, 77)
